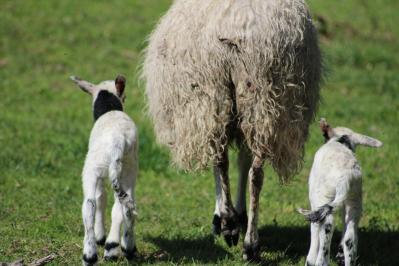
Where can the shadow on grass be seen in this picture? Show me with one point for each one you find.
(376, 247)
(202, 250)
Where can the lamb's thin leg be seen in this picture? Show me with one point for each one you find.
(123, 191)
(111, 249)
(251, 241)
(128, 244)
(349, 242)
(325, 236)
(88, 214)
(244, 164)
(112, 243)
(340, 257)
(314, 244)
(100, 209)
(228, 216)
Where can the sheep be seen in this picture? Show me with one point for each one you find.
(335, 181)
(113, 152)
(234, 71)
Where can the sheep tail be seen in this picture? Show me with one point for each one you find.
(318, 215)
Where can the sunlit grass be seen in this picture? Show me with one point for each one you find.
(45, 122)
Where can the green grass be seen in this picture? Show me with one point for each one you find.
(45, 122)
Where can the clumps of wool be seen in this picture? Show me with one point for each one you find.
(255, 64)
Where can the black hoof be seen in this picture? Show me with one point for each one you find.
(216, 225)
(340, 257)
(101, 242)
(251, 253)
(235, 238)
(243, 221)
(130, 254)
(90, 260)
(228, 240)
(230, 229)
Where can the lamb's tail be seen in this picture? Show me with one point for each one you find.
(341, 193)
(318, 215)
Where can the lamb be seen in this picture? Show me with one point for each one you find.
(113, 152)
(234, 71)
(335, 181)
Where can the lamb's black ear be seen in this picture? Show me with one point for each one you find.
(120, 83)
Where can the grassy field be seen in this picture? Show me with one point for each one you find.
(45, 123)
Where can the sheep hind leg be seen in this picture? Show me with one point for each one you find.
(244, 164)
(101, 199)
(217, 222)
(228, 216)
(325, 236)
(340, 257)
(88, 214)
(314, 244)
(128, 244)
(251, 241)
(350, 239)
(112, 242)
(111, 248)
(123, 192)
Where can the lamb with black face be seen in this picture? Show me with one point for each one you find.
(335, 181)
(113, 153)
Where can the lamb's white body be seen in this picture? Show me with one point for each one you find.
(113, 134)
(335, 181)
(335, 167)
(113, 153)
